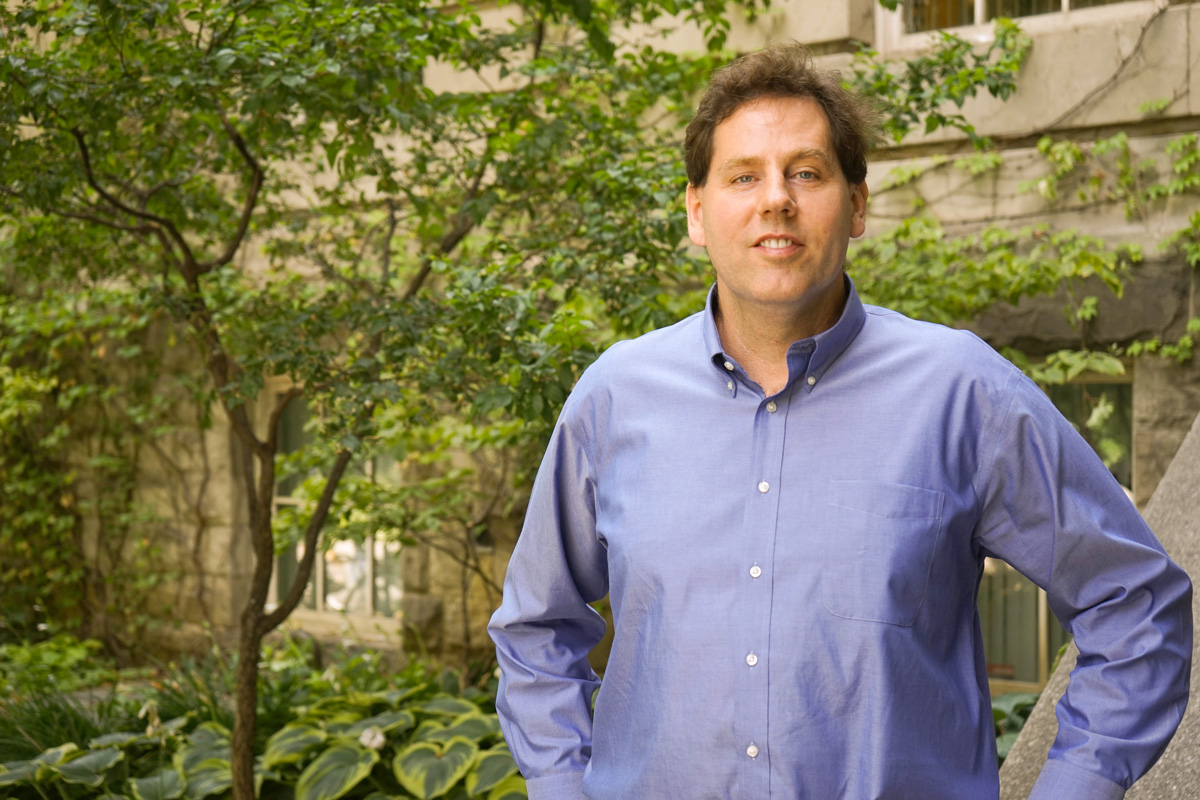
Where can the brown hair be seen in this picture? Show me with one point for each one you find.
(784, 70)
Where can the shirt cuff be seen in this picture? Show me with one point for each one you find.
(559, 786)
(1062, 781)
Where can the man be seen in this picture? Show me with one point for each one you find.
(789, 498)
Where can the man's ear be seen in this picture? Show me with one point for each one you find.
(695, 215)
(858, 205)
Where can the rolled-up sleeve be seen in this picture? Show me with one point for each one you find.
(1053, 511)
(544, 628)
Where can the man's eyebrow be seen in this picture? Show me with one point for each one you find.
(803, 154)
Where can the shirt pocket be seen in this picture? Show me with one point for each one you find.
(882, 539)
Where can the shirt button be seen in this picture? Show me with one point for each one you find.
(764, 487)
(812, 380)
(729, 384)
(755, 571)
(752, 751)
(729, 366)
(752, 659)
(771, 407)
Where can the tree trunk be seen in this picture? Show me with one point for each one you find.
(246, 703)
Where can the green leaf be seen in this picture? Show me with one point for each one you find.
(210, 733)
(190, 757)
(1004, 744)
(429, 769)
(213, 776)
(387, 722)
(291, 743)
(510, 789)
(473, 725)
(447, 706)
(335, 772)
(119, 739)
(166, 784)
(90, 767)
(492, 767)
(18, 772)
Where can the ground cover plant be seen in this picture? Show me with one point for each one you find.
(349, 729)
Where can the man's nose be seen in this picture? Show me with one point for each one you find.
(777, 196)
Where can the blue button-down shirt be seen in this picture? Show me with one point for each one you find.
(793, 578)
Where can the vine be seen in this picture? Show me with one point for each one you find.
(78, 401)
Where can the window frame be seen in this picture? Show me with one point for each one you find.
(321, 619)
(890, 36)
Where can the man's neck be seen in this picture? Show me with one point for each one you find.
(759, 337)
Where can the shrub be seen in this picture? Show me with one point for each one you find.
(340, 732)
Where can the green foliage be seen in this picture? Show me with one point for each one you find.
(47, 717)
(63, 663)
(1066, 365)
(917, 269)
(77, 395)
(346, 734)
(431, 250)
(1154, 107)
(917, 93)
(1187, 240)
(1010, 713)
(1106, 171)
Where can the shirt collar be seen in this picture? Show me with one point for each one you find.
(822, 350)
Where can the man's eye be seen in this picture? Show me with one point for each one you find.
(806, 174)
(743, 179)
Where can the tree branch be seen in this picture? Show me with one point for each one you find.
(256, 182)
(312, 534)
(165, 224)
(464, 225)
(386, 258)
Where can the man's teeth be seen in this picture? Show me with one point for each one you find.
(775, 244)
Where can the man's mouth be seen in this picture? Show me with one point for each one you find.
(776, 243)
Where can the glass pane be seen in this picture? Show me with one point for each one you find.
(930, 15)
(286, 564)
(1008, 615)
(346, 577)
(389, 589)
(1021, 8)
(1103, 414)
(291, 437)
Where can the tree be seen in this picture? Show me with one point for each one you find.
(428, 250)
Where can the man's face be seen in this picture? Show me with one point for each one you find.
(776, 213)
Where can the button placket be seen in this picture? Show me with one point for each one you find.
(761, 523)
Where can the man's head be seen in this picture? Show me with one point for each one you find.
(782, 71)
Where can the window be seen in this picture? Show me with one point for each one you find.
(350, 578)
(1020, 636)
(932, 15)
